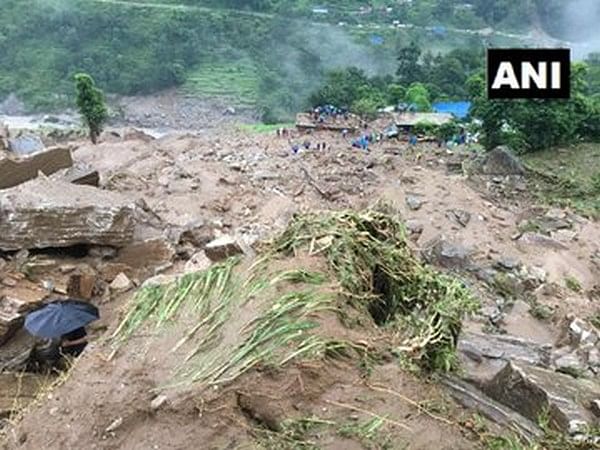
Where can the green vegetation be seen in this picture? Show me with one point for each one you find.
(371, 262)
(264, 128)
(530, 125)
(90, 101)
(266, 54)
(567, 176)
(573, 284)
(236, 82)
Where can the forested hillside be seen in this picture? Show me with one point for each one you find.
(265, 54)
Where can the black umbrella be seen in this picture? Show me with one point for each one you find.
(62, 317)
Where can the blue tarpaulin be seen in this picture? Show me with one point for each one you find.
(376, 39)
(460, 110)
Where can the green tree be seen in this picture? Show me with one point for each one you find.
(409, 70)
(418, 94)
(90, 101)
(529, 125)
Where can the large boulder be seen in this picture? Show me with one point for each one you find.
(444, 253)
(16, 170)
(500, 161)
(533, 392)
(44, 214)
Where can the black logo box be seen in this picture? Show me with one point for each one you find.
(516, 56)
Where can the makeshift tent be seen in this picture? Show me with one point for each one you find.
(460, 110)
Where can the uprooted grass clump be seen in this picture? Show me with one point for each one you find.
(273, 315)
(372, 261)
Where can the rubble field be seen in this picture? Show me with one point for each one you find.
(405, 297)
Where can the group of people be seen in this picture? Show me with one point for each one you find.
(365, 140)
(307, 145)
(322, 113)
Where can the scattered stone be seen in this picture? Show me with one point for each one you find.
(556, 214)
(157, 402)
(532, 277)
(446, 254)
(541, 240)
(564, 235)
(500, 161)
(414, 202)
(81, 283)
(581, 333)
(222, 248)
(121, 284)
(459, 216)
(196, 234)
(569, 363)
(43, 214)
(198, 262)
(595, 407)
(67, 268)
(160, 280)
(414, 227)
(115, 424)
(508, 263)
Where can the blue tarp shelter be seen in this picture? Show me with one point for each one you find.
(460, 110)
(376, 39)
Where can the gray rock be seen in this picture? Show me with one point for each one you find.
(500, 161)
(444, 253)
(532, 391)
(500, 347)
(540, 240)
(532, 277)
(594, 359)
(508, 263)
(157, 402)
(414, 226)
(414, 202)
(222, 248)
(459, 216)
(121, 283)
(42, 214)
(160, 280)
(570, 362)
(595, 407)
(473, 398)
(198, 262)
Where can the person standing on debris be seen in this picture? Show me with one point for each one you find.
(324, 145)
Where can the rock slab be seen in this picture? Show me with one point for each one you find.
(44, 214)
(14, 171)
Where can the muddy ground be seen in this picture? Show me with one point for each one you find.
(249, 186)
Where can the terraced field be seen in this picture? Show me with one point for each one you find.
(238, 82)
